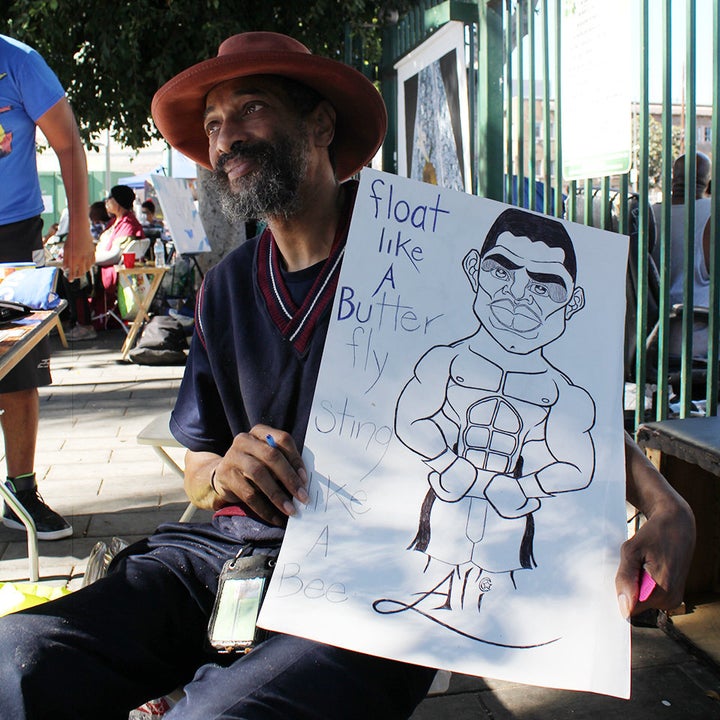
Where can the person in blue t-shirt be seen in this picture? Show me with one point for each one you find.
(31, 96)
(282, 131)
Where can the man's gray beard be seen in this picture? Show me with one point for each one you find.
(269, 191)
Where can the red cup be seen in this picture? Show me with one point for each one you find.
(129, 260)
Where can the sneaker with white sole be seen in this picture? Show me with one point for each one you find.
(81, 332)
(49, 524)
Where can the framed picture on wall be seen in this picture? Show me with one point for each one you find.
(433, 112)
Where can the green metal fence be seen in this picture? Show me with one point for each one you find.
(516, 106)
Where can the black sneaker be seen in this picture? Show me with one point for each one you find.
(49, 525)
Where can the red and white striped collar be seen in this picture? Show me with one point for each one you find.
(298, 323)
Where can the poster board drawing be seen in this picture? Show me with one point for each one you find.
(433, 112)
(180, 215)
(465, 446)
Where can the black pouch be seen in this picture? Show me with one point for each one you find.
(10, 310)
(241, 588)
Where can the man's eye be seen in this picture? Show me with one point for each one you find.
(500, 272)
(252, 107)
(211, 128)
(539, 289)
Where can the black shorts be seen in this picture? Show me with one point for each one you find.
(22, 242)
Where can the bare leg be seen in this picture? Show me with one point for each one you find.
(20, 417)
(20, 427)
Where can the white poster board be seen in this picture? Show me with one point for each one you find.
(433, 113)
(465, 446)
(181, 215)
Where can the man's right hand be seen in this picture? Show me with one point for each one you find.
(262, 477)
(78, 253)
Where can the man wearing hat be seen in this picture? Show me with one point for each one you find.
(282, 131)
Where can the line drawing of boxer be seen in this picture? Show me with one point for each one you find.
(500, 428)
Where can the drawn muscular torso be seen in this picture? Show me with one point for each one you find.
(487, 409)
(496, 412)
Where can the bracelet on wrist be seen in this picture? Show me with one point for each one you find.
(212, 481)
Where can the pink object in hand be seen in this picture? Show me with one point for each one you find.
(647, 585)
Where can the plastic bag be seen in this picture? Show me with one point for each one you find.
(34, 287)
(126, 297)
(18, 596)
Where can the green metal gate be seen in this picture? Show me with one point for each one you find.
(515, 51)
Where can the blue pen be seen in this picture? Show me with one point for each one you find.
(302, 495)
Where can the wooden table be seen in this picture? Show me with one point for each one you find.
(687, 452)
(17, 339)
(143, 297)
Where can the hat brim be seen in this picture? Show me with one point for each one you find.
(361, 117)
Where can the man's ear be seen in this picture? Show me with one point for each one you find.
(577, 302)
(323, 123)
(471, 266)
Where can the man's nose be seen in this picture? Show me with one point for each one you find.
(230, 133)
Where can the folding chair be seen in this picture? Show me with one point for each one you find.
(157, 434)
(29, 523)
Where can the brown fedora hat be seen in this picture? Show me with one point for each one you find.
(361, 123)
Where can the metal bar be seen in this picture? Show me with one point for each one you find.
(605, 219)
(520, 108)
(472, 106)
(532, 159)
(508, 107)
(714, 303)
(664, 303)
(547, 162)
(388, 87)
(490, 101)
(689, 219)
(32, 539)
(624, 205)
(572, 201)
(558, 111)
(588, 216)
(641, 321)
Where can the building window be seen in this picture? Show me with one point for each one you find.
(704, 134)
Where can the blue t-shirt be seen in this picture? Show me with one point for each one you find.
(28, 89)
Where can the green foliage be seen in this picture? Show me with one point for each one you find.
(112, 57)
(655, 150)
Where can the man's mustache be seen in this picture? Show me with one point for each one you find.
(244, 151)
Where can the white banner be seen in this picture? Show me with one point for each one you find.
(596, 88)
(465, 446)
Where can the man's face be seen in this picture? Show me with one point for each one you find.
(258, 148)
(525, 294)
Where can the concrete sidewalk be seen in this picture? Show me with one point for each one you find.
(89, 465)
(91, 469)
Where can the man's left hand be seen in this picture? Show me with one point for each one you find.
(663, 546)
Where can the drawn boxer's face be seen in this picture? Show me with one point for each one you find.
(525, 294)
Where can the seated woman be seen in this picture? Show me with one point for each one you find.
(119, 236)
(99, 219)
